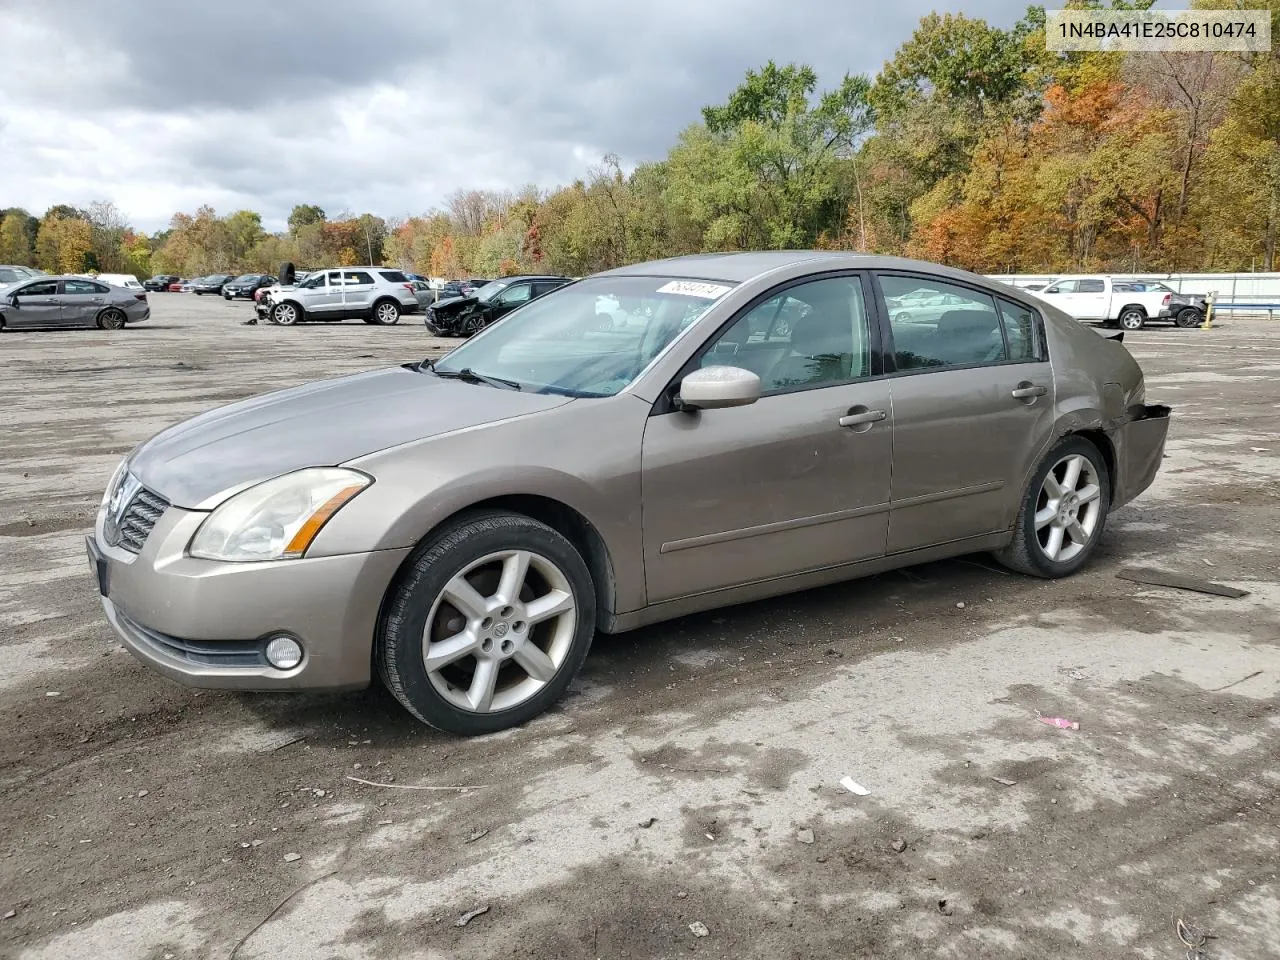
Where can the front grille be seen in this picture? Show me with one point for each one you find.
(139, 518)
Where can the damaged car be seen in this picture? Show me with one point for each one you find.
(466, 316)
(461, 529)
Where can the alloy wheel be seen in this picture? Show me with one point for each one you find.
(499, 631)
(1068, 508)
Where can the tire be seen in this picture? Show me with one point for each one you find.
(111, 319)
(1132, 318)
(472, 325)
(285, 314)
(386, 313)
(1027, 552)
(496, 636)
(226, 296)
(1190, 317)
(287, 274)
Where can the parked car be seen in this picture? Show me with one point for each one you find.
(12, 273)
(160, 282)
(463, 528)
(213, 283)
(466, 316)
(244, 286)
(372, 294)
(921, 306)
(70, 301)
(126, 280)
(188, 286)
(177, 285)
(1120, 303)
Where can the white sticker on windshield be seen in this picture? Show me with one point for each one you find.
(695, 288)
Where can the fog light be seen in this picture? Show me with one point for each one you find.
(284, 653)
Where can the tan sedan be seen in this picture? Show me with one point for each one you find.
(464, 528)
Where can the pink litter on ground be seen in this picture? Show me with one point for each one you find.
(1062, 723)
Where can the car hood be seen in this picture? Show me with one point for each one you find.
(453, 304)
(319, 424)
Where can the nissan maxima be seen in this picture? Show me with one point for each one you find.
(762, 424)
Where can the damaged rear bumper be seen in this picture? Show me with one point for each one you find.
(1139, 446)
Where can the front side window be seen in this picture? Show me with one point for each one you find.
(516, 293)
(557, 343)
(1064, 286)
(46, 288)
(964, 330)
(815, 334)
(316, 282)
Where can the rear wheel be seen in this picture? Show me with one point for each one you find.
(1063, 512)
(1189, 317)
(489, 625)
(286, 314)
(1132, 318)
(386, 313)
(111, 319)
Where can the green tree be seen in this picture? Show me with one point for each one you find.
(304, 215)
(15, 245)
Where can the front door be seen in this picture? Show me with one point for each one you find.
(798, 480)
(321, 295)
(973, 402)
(37, 305)
(508, 299)
(81, 300)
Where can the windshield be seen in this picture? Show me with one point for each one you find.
(246, 278)
(489, 290)
(586, 339)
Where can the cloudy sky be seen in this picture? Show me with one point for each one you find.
(384, 105)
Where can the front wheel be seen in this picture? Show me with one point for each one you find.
(489, 625)
(1132, 319)
(386, 313)
(1063, 512)
(285, 314)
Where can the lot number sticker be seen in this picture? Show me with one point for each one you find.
(692, 288)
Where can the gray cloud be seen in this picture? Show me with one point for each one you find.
(385, 105)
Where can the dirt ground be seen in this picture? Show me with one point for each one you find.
(693, 776)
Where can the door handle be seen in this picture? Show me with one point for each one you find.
(866, 416)
(1025, 391)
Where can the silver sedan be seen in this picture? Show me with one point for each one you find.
(68, 301)
(464, 528)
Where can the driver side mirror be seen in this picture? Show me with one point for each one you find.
(719, 386)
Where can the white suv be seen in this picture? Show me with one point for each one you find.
(372, 294)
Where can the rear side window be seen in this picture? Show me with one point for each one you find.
(1091, 286)
(1021, 332)
(355, 277)
(82, 286)
(936, 324)
(392, 276)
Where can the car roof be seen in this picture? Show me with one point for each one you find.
(741, 267)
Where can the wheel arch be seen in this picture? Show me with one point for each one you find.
(562, 518)
(1132, 306)
(1105, 447)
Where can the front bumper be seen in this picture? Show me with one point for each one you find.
(206, 624)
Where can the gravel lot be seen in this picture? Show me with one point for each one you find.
(693, 776)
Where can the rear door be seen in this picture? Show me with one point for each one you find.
(1092, 301)
(37, 305)
(80, 301)
(357, 293)
(973, 398)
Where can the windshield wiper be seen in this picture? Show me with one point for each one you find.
(468, 375)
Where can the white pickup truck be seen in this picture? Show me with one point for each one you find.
(1130, 304)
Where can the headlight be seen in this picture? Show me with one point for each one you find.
(276, 519)
(114, 482)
